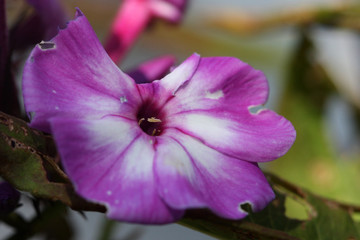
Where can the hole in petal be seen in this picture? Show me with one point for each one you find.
(256, 109)
(47, 45)
(123, 99)
(246, 207)
(150, 119)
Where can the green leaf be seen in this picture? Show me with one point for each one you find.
(27, 162)
(326, 219)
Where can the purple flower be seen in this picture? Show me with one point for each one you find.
(133, 17)
(9, 198)
(150, 151)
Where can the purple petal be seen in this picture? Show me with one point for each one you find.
(207, 178)
(73, 76)
(180, 76)
(153, 69)
(213, 106)
(110, 161)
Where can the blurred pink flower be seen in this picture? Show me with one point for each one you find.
(133, 17)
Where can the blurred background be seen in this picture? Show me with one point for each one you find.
(310, 52)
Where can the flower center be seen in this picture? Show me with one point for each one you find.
(149, 120)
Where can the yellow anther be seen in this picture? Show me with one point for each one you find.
(141, 120)
(153, 120)
(153, 132)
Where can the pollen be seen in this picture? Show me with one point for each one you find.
(141, 120)
(150, 119)
(153, 120)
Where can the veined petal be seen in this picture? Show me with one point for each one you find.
(213, 106)
(207, 178)
(180, 76)
(259, 137)
(114, 167)
(72, 76)
(216, 83)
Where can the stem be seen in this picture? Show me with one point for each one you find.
(303, 194)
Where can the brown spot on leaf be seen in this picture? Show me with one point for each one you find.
(25, 131)
(7, 122)
(276, 203)
(11, 124)
(3, 120)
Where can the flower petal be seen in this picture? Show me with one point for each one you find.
(110, 161)
(180, 76)
(213, 106)
(153, 69)
(73, 76)
(207, 178)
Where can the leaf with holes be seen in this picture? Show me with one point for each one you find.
(322, 222)
(27, 163)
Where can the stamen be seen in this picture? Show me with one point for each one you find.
(153, 120)
(150, 119)
(155, 132)
(141, 120)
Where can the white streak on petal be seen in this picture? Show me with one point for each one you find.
(139, 168)
(180, 76)
(200, 124)
(256, 109)
(214, 95)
